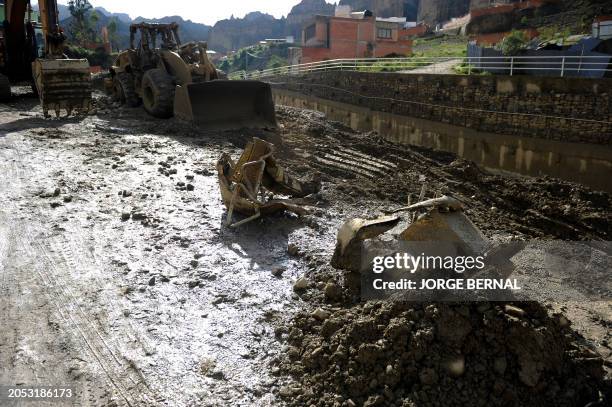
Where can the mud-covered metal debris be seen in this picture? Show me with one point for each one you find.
(244, 182)
(443, 220)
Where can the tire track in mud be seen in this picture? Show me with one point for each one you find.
(120, 374)
(38, 326)
(356, 162)
(49, 253)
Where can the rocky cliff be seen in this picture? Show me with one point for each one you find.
(235, 33)
(119, 16)
(575, 16)
(381, 8)
(303, 12)
(188, 31)
(430, 11)
(439, 11)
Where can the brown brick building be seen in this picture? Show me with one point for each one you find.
(365, 36)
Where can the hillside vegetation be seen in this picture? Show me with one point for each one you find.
(257, 57)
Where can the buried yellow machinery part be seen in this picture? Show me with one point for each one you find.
(224, 104)
(63, 84)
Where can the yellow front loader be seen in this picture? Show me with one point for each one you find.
(174, 79)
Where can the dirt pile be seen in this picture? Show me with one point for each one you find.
(549, 206)
(409, 354)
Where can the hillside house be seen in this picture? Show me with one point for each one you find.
(361, 35)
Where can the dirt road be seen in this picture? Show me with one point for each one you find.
(446, 67)
(118, 276)
(164, 308)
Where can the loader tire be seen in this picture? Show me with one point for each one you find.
(158, 93)
(5, 88)
(124, 91)
(34, 88)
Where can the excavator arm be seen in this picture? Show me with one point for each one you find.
(54, 36)
(62, 83)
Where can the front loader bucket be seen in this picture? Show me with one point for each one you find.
(223, 104)
(63, 84)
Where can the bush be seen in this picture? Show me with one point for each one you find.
(462, 69)
(97, 57)
(261, 57)
(276, 62)
(554, 33)
(514, 43)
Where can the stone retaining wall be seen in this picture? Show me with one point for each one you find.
(561, 109)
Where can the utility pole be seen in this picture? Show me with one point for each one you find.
(246, 59)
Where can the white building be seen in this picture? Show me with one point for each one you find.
(602, 27)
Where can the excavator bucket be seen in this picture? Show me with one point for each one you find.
(352, 234)
(224, 104)
(63, 84)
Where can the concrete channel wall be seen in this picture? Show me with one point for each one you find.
(587, 163)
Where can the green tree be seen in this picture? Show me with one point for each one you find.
(112, 32)
(94, 18)
(79, 9)
(276, 61)
(224, 65)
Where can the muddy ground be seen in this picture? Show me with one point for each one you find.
(120, 278)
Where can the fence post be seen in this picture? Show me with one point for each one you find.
(469, 66)
(511, 65)
(563, 66)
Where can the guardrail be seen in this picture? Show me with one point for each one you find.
(593, 66)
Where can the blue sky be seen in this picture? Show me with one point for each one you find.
(201, 11)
